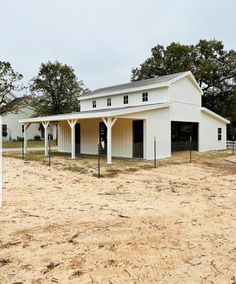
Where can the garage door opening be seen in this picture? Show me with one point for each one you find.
(180, 135)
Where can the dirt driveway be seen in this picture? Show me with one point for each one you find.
(173, 224)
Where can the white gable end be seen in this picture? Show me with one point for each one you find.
(185, 99)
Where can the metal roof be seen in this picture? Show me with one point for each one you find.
(215, 115)
(95, 113)
(136, 84)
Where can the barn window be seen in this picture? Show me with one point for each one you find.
(219, 134)
(109, 102)
(145, 97)
(94, 104)
(126, 100)
(4, 130)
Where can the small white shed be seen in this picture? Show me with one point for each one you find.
(127, 118)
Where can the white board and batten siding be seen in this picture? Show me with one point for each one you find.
(89, 135)
(134, 99)
(185, 99)
(208, 133)
(156, 124)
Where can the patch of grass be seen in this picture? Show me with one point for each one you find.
(132, 169)
(32, 156)
(111, 172)
(75, 168)
(30, 144)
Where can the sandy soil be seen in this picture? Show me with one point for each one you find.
(173, 224)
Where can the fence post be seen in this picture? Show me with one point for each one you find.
(190, 154)
(155, 152)
(22, 142)
(233, 144)
(49, 150)
(99, 174)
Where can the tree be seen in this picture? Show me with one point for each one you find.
(55, 90)
(213, 67)
(9, 83)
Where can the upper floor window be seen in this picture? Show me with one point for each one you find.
(94, 104)
(126, 100)
(4, 130)
(145, 97)
(109, 102)
(219, 134)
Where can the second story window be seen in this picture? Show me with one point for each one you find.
(126, 100)
(94, 104)
(109, 102)
(145, 97)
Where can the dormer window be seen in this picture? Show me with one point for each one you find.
(145, 97)
(126, 100)
(109, 102)
(94, 104)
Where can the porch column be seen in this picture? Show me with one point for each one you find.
(72, 124)
(109, 122)
(45, 125)
(26, 126)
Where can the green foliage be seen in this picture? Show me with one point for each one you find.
(213, 67)
(55, 90)
(9, 83)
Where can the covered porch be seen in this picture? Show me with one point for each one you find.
(119, 132)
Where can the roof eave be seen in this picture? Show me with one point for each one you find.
(125, 91)
(215, 115)
(90, 115)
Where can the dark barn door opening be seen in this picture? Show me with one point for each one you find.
(103, 137)
(138, 138)
(77, 138)
(180, 135)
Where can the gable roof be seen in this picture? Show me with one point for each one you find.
(157, 82)
(12, 103)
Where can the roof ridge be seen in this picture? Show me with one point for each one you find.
(139, 83)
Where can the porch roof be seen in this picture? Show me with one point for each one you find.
(115, 112)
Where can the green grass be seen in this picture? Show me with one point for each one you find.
(30, 144)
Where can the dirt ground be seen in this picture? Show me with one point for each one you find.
(172, 224)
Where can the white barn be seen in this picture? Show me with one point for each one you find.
(127, 118)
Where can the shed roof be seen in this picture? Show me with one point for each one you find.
(95, 113)
(215, 115)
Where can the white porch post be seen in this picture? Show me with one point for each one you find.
(45, 125)
(26, 126)
(72, 124)
(109, 122)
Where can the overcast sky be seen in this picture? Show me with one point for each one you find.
(104, 39)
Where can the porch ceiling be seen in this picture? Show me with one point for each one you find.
(116, 112)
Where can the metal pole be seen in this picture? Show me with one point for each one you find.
(99, 174)
(190, 149)
(49, 150)
(233, 144)
(22, 142)
(155, 152)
